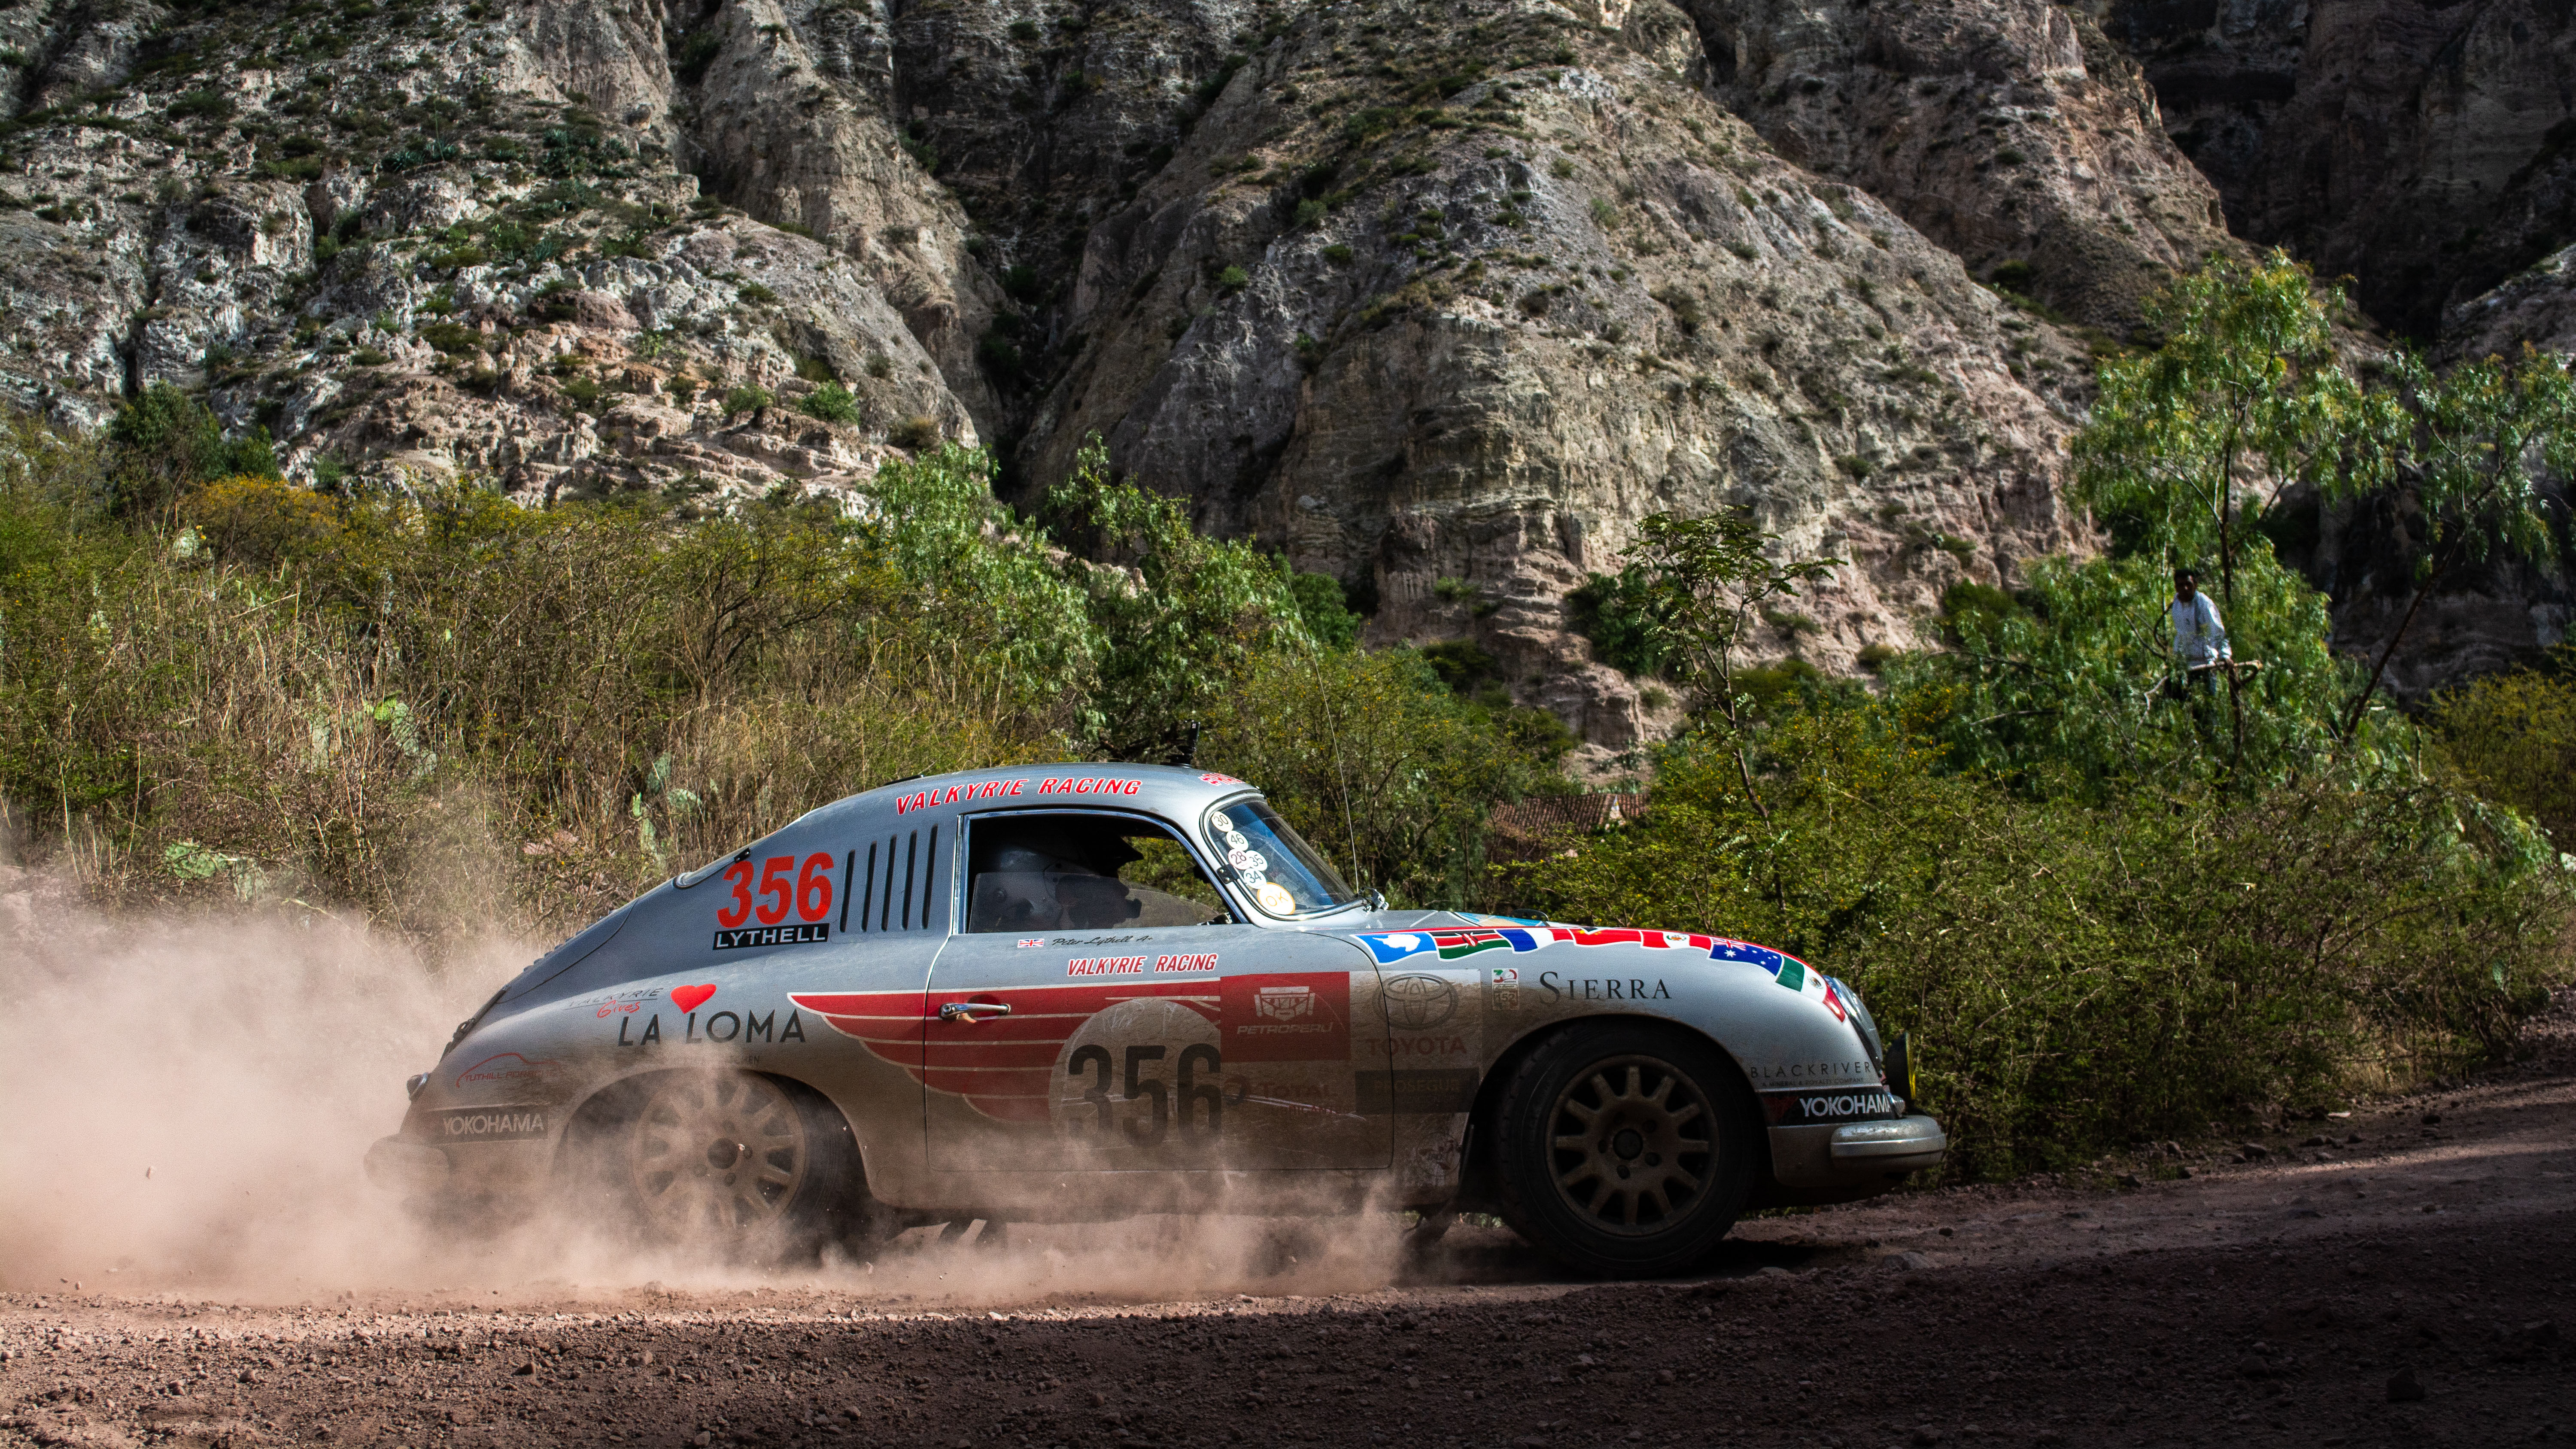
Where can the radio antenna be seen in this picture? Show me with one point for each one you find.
(1341, 773)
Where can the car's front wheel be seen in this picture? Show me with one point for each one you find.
(742, 1165)
(1626, 1148)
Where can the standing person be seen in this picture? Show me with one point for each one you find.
(2199, 639)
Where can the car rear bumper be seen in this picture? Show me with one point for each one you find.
(1828, 1162)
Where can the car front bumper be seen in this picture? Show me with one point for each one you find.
(407, 1167)
(1837, 1163)
(1906, 1144)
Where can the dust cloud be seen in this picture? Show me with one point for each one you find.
(190, 1097)
(193, 1101)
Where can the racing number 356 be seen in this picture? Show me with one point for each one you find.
(1149, 1123)
(782, 886)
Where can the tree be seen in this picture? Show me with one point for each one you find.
(2464, 460)
(984, 584)
(1179, 613)
(2057, 688)
(1377, 765)
(165, 442)
(1709, 579)
(2246, 396)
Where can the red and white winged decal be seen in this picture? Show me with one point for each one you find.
(1003, 1066)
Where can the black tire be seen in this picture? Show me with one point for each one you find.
(739, 1166)
(1626, 1148)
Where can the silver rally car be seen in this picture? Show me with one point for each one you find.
(1085, 991)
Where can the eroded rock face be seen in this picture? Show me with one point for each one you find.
(1593, 296)
(442, 241)
(2421, 146)
(2008, 131)
(1439, 300)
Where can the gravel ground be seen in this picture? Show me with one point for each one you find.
(2415, 1285)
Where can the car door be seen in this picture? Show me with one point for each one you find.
(887, 914)
(1102, 1007)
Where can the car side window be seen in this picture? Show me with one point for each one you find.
(1080, 872)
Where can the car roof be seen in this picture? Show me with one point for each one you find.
(1175, 792)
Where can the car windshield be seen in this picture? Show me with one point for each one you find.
(1282, 873)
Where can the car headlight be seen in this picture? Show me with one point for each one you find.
(1861, 1018)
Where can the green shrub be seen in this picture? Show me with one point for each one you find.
(832, 403)
(559, 301)
(2512, 737)
(1381, 768)
(1684, 307)
(2355, 934)
(694, 53)
(745, 399)
(446, 656)
(756, 294)
(453, 338)
(1459, 664)
(999, 355)
(1618, 613)
(1324, 606)
(202, 105)
(164, 442)
(1194, 612)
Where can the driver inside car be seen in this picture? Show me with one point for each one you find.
(1026, 888)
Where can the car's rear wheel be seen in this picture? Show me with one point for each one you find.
(744, 1165)
(1626, 1148)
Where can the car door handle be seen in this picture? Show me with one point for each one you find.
(972, 1010)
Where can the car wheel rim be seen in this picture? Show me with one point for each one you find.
(1632, 1145)
(718, 1156)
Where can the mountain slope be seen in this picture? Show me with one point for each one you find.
(1437, 299)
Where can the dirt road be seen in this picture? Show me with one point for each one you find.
(2415, 1284)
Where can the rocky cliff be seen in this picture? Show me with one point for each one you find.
(2427, 148)
(2011, 132)
(1439, 299)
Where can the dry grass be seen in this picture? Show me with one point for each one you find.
(448, 712)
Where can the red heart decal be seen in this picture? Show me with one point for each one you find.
(690, 998)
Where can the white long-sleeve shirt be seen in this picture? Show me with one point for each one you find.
(2198, 637)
